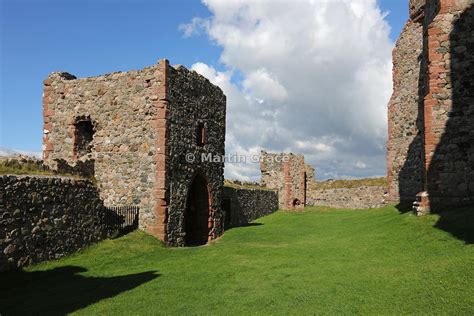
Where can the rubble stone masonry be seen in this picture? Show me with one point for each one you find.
(245, 205)
(288, 174)
(46, 218)
(446, 106)
(404, 121)
(351, 198)
(136, 128)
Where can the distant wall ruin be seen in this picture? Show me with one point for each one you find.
(243, 205)
(288, 174)
(360, 197)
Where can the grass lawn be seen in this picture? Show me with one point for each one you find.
(317, 261)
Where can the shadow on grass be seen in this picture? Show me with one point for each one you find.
(404, 207)
(61, 290)
(458, 222)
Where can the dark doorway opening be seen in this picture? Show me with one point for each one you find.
(84, 132)
(197, 213)
(296, 203)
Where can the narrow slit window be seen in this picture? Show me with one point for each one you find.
(201, 134)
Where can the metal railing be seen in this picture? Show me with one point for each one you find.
(122, 219)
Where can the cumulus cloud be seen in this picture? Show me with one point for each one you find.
(314, 77)
(263, 86)
(195, 27)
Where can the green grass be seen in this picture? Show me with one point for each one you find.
(319, 261)
(28, 168)
(13, 167)
(337, 184)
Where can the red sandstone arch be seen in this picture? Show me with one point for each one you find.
(197, 215)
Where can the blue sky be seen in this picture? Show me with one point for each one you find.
(88, 38)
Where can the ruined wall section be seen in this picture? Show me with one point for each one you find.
(288, 174)
(446, 98)
(194, 102)
(45, 218)
(417, 9)
(449, 103)
(247, 205)
(295, 182)
(122, 108)
(362, 197)
(404, 146)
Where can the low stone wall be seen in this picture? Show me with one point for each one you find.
(358, 197)
(44, 218)
(242, 205)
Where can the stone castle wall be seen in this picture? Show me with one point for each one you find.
(46, 218)
(122, 110)
(449, 102)
(144, 123)
(245, 205)
(446, 103)
(404, 121)
(194, 102)
(416, 9)
(353, 198)
(288, 174)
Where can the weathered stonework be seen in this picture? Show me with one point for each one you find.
(288, 174)
(44, 218)
(446, 109)
(193, 100)
(241, 205)
(417, 9)
(449, 103)
(136, 127)
(353, 198)
(404, 123)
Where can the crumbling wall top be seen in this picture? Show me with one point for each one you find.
(416, 9)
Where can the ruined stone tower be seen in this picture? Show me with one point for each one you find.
(141, 134)
(430, 150)
(288, 174)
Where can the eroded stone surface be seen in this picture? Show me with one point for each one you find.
(46, 218)
(405, 141)
(289, 175)
(446, 107)
(144, 123)
(351, 198)
(246, 205)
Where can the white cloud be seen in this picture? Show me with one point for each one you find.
(316, 78)
(195, 27)
(360, 165)
(313, 146)
(263, 86)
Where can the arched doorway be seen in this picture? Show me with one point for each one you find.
(197, 213)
